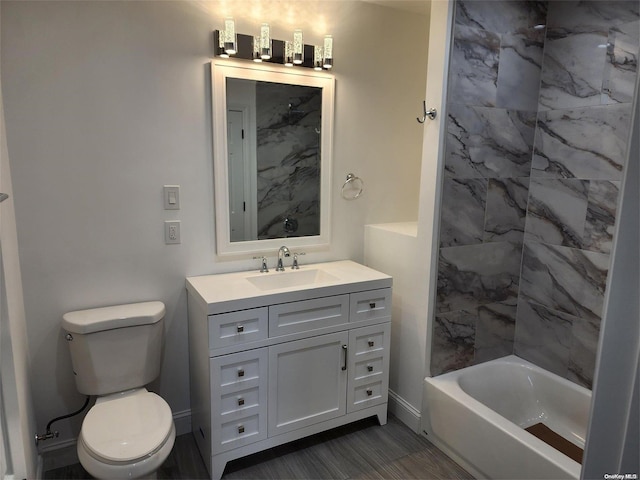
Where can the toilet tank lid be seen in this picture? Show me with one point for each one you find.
(118, 316)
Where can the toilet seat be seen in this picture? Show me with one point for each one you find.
(126, 427)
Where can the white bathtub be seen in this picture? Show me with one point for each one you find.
(477, 416)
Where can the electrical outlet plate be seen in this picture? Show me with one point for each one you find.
(172, 231)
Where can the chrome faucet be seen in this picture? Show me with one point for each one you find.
(282, 252)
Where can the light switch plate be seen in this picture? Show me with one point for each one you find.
(172, 231)
(171, 195)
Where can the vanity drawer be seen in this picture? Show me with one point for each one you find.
(308, 315)
(238, 327)
(239, 401)
(367, 394)
(237, 432)
(370, 305)
(368, 366)
(369, 340)
(238, 398)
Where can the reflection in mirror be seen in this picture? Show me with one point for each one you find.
(272, 157)
(281, 162)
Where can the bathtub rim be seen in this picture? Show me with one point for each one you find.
(448, 384)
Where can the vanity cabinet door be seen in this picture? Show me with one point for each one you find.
(238, 399)
(307, 381)
(368, 366)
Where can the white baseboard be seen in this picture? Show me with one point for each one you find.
(404, 411)
(63, 452)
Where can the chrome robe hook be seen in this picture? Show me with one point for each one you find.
(430, 114)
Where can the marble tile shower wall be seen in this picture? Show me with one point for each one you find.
(538, 125)
(288, 159)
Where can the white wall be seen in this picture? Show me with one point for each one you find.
(18, 455)
(105, 102)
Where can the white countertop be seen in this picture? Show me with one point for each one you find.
(236, 291)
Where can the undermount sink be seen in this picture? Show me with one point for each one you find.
(296, 278)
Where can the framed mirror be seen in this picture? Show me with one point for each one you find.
(272, 148)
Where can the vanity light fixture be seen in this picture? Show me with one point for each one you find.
(327, 61)
(317, 58)
(222, 53)
(263, 48)
(288, 54)
(298, 47)
(265, 42)
(256, 50)
(230, 41)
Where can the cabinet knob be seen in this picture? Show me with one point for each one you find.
(371, 343)
(240, 328)
(241, 372)
(369, 368)
(240, 428)
(240, 401)
(369, 392)
(372, 305)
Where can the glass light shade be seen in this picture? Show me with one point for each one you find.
(265, 42)
(327, 61)
(317, 57)
(256, 50)
(230, 36)
(221, 51)
(298, 47)
(288, 54)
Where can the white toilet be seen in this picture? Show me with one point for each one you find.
(115, 352)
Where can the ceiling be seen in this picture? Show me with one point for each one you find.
(422, 7)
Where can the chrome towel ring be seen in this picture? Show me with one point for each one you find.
(353, 187)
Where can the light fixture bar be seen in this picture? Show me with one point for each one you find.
(250, 47)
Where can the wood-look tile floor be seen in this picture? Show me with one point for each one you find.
(362, 450)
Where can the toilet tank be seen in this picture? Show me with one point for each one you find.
(115, 348)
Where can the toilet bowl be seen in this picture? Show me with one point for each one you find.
(126, 435)
(115, 352)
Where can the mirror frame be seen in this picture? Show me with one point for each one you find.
(220, 71)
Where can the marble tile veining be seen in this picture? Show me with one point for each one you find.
(621, 68)
(453, 341)
(557, 211)
(565, 279)
(588, 143)
(462, 214)
(287, 159)
(573, 69)
(543, 336)
(582, 354)
(506, 209)
(474, 66)
(601, 216)
(488, 142)
(474, 275)
(592, 14)
(495, 331)
(519, 70)
(501, 16)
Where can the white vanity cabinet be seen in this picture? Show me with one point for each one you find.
(271, 366)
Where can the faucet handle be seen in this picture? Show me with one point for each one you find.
(263, 267)
(295, 265)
